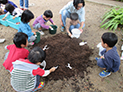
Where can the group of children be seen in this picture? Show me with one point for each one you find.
(26, 17)
(25, 66)
(22, 64)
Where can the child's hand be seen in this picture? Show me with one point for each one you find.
(102, 57)
(4, 18)
(70, 34)
(34, 32)
(81, 30)
(50, 27)
(54, 23)
(52, 69)
(14, 17)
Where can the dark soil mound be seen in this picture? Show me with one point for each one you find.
(63, 50)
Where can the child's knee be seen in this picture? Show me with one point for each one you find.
(100, 64)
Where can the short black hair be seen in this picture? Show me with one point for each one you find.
(48, 14)
(76, 2)
(10, 8)
(20, 38)
(27, 15)
(36, 55)
(3, 1)
(74, 16)
(110, 39)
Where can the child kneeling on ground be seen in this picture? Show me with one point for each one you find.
(110, 60)
(73, 23)
(26, 73)
(16, 50)
(40, 21)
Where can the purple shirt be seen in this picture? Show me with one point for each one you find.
(42, 22)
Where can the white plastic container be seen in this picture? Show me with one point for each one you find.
(100, 48)
(76, 32)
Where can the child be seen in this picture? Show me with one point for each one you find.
(72, 23)
(110, 60)
(26, 73)
(22, 3)
(40, 21)
(4, 2)
(16, 50)
(75, 6)
(16, 12)
(24, 27)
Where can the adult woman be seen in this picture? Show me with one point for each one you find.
(75, 6)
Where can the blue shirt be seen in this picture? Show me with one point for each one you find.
(111, 59)
(25, 28)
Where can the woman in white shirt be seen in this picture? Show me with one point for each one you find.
(75, 6)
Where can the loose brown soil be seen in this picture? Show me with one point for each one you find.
(63, 50)
(92, 33)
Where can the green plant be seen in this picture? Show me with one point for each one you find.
(119, 0)
(113, 18)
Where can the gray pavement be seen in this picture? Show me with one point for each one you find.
(107, 2)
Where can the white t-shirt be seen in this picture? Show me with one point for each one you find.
(16, 11)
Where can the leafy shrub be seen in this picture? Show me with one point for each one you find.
(113, 18)
(119, 0)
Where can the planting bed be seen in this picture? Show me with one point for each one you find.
(63, 50)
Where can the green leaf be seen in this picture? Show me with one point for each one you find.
(114, 11)
(112, 27)
(108, 13)
(115, 26)
(107, 26)
(109, 16)
(104, 24)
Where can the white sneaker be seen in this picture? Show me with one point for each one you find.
(122, 47)
(2, 40)
(121, 56)
(41, 32)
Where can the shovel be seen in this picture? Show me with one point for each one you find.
(56, 67)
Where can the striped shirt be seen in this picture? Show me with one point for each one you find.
(23, 75)
(22, 80)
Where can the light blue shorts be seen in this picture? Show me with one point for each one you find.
(37, 26)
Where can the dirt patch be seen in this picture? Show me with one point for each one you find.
(63, 50)
(92, 33)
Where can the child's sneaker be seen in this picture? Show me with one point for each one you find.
(41, 32)
(39, 87)
(62, 28)
(104, 74)
(31, 43)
